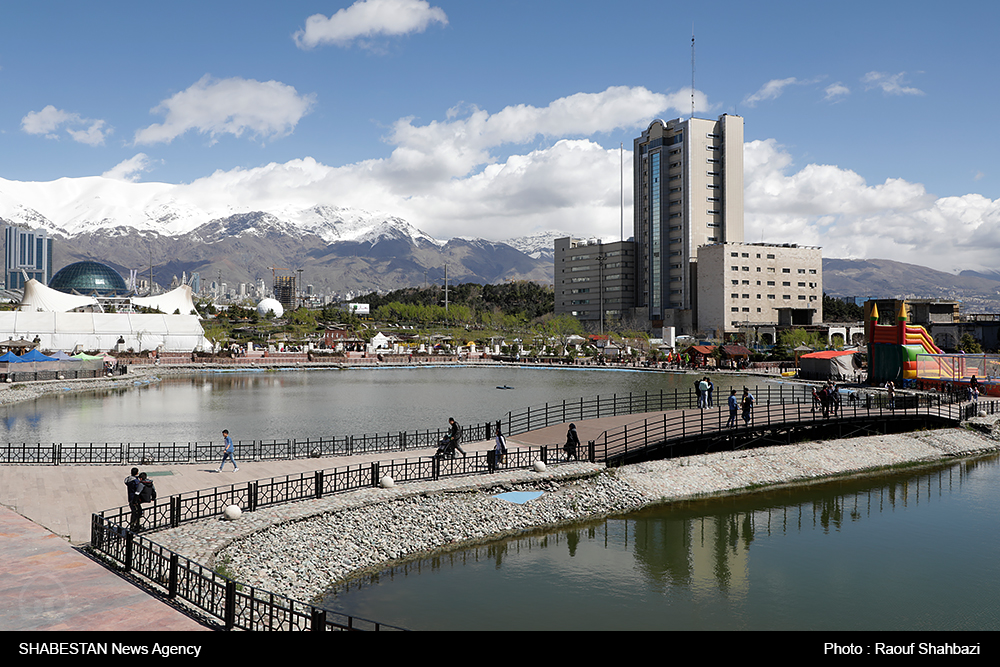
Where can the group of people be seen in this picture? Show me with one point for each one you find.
(141, 489)
(827, 399)
(704, 388)
(736, 403)
(451, 443)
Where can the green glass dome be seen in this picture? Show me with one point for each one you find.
(89, 278)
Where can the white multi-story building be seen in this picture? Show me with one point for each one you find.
(688, 192)
(753, 285)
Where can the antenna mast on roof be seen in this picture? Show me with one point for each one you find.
(692, 70)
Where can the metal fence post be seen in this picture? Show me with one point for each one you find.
(318, 482)
(172, 580)
(128, 551)
(318, 620)
(229, 615)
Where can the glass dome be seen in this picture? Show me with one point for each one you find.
(89, 278)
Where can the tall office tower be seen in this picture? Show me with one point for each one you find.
(688, 192)
(29, 251)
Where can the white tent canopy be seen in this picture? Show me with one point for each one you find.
(38, 297)
(101, 331)
(180, 299)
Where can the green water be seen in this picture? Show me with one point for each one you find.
(911, 551)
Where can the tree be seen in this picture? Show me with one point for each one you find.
(835, 310)
(562, 327)
(969, 345)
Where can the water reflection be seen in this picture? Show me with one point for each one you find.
(869, 553)
(268, 405)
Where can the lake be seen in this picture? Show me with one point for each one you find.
(907, 551)
(313, 403)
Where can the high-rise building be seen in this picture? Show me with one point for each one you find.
(29, 251)
(688, 192)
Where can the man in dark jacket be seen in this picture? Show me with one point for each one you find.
(134, 486)
(456, 435)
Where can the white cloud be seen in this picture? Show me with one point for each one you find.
(769, 91)
(130, 169)
(50, 120)
(233, 106)
(835, 208)
(891, 84)
(367, 19)
(455, 147)
(835, 92)
(447, 178)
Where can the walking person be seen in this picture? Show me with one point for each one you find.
(572, 442)
(227, 451)
(734, 409)
(455, 435)
(747, 402)
(890, 389)
(711, 388)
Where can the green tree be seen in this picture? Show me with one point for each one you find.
(969, 345)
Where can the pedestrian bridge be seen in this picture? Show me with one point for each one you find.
(687, 432)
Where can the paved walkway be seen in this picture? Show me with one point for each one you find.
(46, 583)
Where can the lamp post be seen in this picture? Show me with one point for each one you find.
(600, 283)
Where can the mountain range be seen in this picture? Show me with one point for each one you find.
(179, 228)
(166, 229)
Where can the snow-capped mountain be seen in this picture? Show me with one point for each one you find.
(125, 224)
(538, 246)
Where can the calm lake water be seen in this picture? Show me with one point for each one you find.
(314, 403)
(911, 551)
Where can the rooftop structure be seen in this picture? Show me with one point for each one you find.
(89, 278)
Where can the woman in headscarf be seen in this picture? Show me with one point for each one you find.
(572, 442)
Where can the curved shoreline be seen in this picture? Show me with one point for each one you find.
(351, 535)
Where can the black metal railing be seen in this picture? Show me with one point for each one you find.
(514, 423)
(522, 421)
(677, 428)
(238, 606)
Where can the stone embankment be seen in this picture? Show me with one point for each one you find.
(300, 550)
(17, 392)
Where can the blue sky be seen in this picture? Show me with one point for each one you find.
(868, 124)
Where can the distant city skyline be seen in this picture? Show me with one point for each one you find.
(866, 124)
